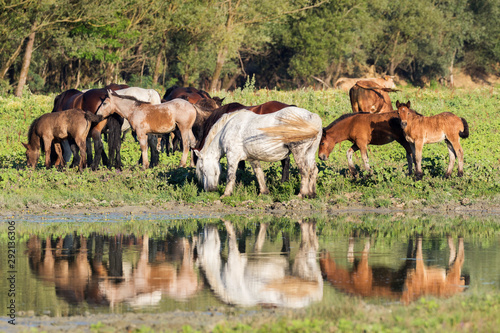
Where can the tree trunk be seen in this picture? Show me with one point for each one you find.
(156, 73)
(26, 62)
(10, 61)
(221, 59)
(393, 64)
(452, 83)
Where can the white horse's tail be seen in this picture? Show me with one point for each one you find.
(293, 129)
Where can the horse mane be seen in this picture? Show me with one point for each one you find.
(218, 126)
(32, 128)
(343, 117)
(214, 117)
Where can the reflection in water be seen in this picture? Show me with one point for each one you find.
(266, 280)
(413, 280)
(80, 275)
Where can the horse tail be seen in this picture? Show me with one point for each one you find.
(92, 117)
(465, 133)
(293, 129)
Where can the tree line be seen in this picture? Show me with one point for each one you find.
(54, 45)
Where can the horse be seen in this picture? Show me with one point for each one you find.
(364, 129)
(146, 118)
(244, 135)
(144, 95)
(265, 108)
(90, 100)
(368, 96)
(419, 130)
(54, 128)
(193, 96)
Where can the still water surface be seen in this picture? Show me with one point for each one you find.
(152, 263)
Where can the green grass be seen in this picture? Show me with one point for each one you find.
(387, 187)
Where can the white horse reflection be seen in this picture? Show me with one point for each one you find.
(264, 279)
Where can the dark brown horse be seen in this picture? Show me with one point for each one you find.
(420, 130)
(368, 96)
(90, 100)
(193, 96)
(268, 107)
(364, 129)
(54, 128)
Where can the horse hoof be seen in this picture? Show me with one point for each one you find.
(419, 176)
(460, 174)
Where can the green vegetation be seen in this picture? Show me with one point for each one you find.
(62, 44)
(388, 186)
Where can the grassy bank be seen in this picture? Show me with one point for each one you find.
(388, 186)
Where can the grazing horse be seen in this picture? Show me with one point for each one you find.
(364, 129)
(368, 96)
(244, 135)
(54, 128)
(261, 279)
(146, 118)
(90, 100)
(265, 108)
(420, 130)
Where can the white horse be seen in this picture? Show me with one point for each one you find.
(244, 135)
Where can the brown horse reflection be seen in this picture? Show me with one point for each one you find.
(412, 281)
(263, 279)
(80, 273)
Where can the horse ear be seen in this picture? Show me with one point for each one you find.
(408, 105)
(398, 104)
(110, 92)
(198, 153)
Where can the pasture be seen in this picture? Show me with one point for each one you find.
(387, 187)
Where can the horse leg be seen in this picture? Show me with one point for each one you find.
(285, 167)
(83, 152)
(364, 156)
(67, 151)
(155, 155)
(47, 145)
(98, 149)
(143, 141)
(350, 163)
(186, 135)
(114, 124)
(453, 155)
(231, 177)
(417, 148)
(58, 149)
(261, 178)
(410, 157)
(88, 143)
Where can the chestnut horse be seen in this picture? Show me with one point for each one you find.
(420, 130)
(368, 96)
(54, 128)
(364, 129)
(145, 118)
(266, 108)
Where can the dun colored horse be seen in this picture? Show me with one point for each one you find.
(420, 130)
(146, 118)
(364, 129)
(368, 96)
(54, 128)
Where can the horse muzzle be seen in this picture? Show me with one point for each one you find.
(403, 124)
(323, 156)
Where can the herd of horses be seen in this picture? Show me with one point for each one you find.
(268, 132)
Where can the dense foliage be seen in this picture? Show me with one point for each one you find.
(61, 44)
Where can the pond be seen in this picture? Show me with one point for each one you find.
(68, 265)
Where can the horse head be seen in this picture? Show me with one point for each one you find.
(107, 106)
(207, 171)
(403, 112)
(325, 146)
(32, 155)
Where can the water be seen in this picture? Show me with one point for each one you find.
(89, 264)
